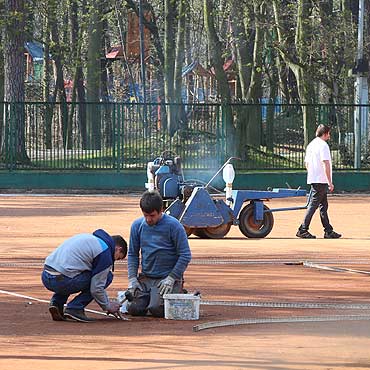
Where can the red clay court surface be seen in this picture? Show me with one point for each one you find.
(32, 226)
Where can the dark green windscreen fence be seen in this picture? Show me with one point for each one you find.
(117, 136)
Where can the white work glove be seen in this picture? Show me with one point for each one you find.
(166, 285)
(113, 307)
(134, 284)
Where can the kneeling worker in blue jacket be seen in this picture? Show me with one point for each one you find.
(82, 264)
(165, 255)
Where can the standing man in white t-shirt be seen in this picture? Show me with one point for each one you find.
(319, 176)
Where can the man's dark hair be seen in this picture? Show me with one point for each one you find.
(322, 130)
(151, 201)
(120, 242)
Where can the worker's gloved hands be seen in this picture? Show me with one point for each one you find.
(166, 285)
(133, 285)
(113, 307)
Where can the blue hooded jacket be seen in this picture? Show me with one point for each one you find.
(86, 252)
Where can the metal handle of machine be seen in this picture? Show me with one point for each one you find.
(222, 167)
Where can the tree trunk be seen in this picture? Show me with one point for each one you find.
(108, 129)
(283, 75)
(304, 78)
(77, 32)
(59, 91)
(215, 50)
(169, 60)
(269, 142)
(1, 87)
(297, 60)
(307, 94)
(177, 112)
(158, 61)
(254, 120)
(243, 45)
(93, 76)
(12, 146)
(46, 78)
(273, 78)
(243, 37)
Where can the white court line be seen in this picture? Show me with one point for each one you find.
(42, 300)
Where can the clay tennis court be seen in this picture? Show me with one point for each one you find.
(32, 226)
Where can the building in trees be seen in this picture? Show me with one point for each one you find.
(34, 58)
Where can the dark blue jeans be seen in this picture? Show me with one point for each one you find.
(319, 200)
(63, 287)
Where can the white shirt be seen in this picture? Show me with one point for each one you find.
(317, 151)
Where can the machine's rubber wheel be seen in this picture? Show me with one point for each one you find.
(217, 232)
(252, 228)
(188, 230)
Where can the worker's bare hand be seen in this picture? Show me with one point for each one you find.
(331, 187)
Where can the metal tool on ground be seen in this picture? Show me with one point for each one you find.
(335, 269)
(288, 320)
(126, 297)
(206, 215)
(290, 305)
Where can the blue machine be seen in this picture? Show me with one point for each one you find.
(208, 216)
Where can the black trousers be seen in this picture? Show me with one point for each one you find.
(319, 200)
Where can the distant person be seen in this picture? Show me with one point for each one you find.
(319, 176)
(162, 243)
(82, 263)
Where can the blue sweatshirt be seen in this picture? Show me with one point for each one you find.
(164, 248)
(86, 252)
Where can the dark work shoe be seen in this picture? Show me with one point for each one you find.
(56, 312)
(332, 235)
(77, 315)
(305, 235)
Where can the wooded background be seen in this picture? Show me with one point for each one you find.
(300, 52)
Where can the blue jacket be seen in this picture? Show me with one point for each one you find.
(86, 252)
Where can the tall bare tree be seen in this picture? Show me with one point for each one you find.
(1, 82)
(296, 54)
(12, 146)
(47, 77)
(215, 50)
(77, 32)
(57, 50)
(93, 74)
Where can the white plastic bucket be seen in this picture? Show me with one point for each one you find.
(181, 306)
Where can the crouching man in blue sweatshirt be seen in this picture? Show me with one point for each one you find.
(165, 254)
(82, 264)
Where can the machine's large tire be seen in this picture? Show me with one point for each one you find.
(217, 232)
(252, 228)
